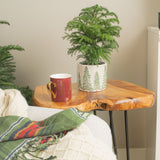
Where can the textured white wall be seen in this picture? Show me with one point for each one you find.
(151, 113)
(38, 26)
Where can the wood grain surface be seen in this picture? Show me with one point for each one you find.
(119, 95)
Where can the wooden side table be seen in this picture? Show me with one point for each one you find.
(119, 95)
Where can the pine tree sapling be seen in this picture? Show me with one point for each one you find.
(7, 66)
(92, 34)
(7, 69)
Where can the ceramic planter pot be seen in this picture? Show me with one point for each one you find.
(92, 78)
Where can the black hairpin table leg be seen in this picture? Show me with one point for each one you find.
(126, 132)
(113, 135)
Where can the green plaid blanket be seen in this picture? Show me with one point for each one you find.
(20, 136)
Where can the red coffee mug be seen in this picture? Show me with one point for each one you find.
(60, 87)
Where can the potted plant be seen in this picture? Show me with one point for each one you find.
(92, 37)
(7, 69)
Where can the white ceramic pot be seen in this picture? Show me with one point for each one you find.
(92, 78)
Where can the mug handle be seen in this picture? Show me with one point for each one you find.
(49, 88)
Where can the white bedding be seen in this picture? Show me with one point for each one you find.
(94, 132)
(13, 103)
(92, 140)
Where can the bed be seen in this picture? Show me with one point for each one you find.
(91, 140)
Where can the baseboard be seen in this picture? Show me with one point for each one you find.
(135, 153)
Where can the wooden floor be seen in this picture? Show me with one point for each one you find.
(135, 154)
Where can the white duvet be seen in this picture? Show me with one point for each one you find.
(80, 144)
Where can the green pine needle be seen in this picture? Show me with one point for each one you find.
(4, 22)
(7, 70)
(93, 34)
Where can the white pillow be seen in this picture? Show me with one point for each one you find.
(12, 103)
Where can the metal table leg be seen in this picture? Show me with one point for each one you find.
(113, 134)
(126, 132)
(112, 131)
(94, 112)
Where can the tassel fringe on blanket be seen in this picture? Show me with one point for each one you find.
(19, 136)
(39, 144)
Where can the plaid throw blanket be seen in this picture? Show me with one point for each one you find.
(20, 136)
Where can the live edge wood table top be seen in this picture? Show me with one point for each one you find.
(119, 95)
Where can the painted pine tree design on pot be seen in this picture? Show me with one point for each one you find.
(87, 80)
(92, 78)
(104, 82)
(96, 81)
(79, 80)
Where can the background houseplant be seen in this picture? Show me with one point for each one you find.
(7, 69)
(92, 37)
